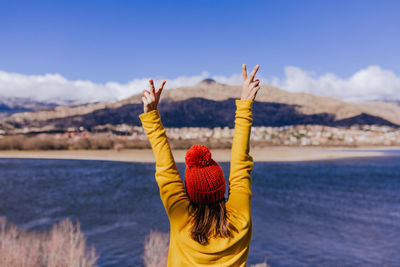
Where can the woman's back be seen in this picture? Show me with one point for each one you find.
(184, 251)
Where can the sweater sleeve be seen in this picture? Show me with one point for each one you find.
(172, 191)
(241, 162)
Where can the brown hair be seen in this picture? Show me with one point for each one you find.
(210, 220)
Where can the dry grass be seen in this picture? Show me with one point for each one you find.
(63, 246)
(156, 246)
(264, 264)
(39, 142)
(99, 141)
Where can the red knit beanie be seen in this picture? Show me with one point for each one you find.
(204, 178)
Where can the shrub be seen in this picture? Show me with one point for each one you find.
(44, 142)
(12, 142)
(81, 143)
(101, 142)
(264, 264)
(63, 246)
(156, 249)
(136, 144)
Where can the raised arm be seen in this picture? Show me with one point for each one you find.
(172, 191)
(241, 162)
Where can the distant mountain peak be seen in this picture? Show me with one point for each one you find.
(208, 81)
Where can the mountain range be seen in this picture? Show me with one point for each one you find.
(207, 104)
(9, 106)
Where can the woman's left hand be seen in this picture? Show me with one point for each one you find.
(250, 86)
(151, 99)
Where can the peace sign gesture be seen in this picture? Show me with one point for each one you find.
(250, 86)
(151, 99)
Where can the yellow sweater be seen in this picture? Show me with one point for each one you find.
(183, 250)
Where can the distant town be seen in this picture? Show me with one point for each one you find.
(126, 136)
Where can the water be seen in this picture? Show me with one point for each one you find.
(325, 213)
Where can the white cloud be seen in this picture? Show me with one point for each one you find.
(367, 84)
(371, 83)
(54, 87)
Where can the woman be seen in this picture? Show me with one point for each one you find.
(205, 229)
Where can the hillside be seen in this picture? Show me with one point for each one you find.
(9, 106)
(210, 104)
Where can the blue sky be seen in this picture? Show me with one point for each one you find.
(104, 41)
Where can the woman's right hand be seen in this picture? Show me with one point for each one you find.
(250, 86)
(151, 98)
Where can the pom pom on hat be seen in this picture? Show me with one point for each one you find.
(198, 156)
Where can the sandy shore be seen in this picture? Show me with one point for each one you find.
(220, 155)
